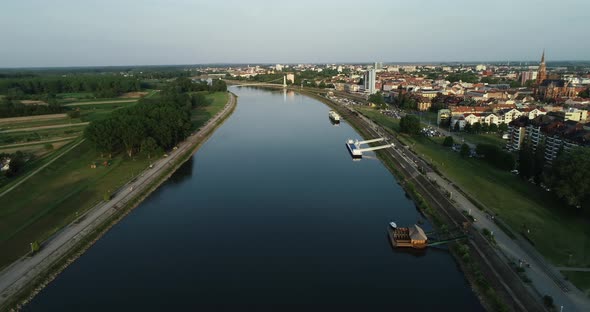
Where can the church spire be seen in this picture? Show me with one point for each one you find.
(542, 72)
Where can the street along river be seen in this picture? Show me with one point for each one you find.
(271, 209)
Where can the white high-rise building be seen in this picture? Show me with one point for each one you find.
(278, 67)
(370, 79)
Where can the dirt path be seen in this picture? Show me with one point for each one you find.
(32, 118)
(102, 102)
(45, 127)
(25, 270)
(36, 142)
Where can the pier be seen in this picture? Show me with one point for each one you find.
(354, 146)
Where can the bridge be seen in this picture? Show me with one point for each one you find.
(266, 83)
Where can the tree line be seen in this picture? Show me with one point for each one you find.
(11, 108)
(154, 124)
(102, 86)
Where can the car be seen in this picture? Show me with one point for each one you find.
(514, 171)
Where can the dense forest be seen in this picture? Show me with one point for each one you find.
(102, 86)
(153, 124)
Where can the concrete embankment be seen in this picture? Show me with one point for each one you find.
(20, 281)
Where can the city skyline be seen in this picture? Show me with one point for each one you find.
(109, 33)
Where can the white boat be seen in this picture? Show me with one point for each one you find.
(334, 116)
(393, 225)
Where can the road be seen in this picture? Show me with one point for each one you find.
(25, 270)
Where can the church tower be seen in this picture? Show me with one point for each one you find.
(542, 74)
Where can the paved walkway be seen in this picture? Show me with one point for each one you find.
(573, 269)
(26, 269)
(546, 279)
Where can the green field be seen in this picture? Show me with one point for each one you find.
(484, 138)
(555, 230)
(53, 197)
(57, 194)
(580, 279)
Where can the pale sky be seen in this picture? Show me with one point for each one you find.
(36, 33)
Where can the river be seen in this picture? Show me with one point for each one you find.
(270, 210)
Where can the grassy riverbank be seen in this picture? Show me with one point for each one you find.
(67, 188)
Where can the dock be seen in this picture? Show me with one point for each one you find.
(355, 150)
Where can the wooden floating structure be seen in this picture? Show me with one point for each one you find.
(413, 237)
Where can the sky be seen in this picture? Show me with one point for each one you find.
(40, 33)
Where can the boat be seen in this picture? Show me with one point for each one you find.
(393, 225)
(334, 116)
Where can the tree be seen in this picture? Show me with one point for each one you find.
(456, 128)
(495, 156)
(198, 99)
(465, 150)
(585, 94)
(322, 85)
(570, 177)
(468, 128)
(503, 127)
(525, 161)
(74, 113)
(377, 99)
(539, 162)
(149, 146)
(493, 128)
(410, 124)
(448, 141)
(476, 128)
(485, 127)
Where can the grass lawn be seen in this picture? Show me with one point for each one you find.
(484, 138)
(52, 198)
(375, 115)
(216, 103)
(580, 279)
(555, 230)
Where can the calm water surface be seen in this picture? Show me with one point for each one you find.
(270, 210)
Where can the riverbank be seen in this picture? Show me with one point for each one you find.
(28, 275)
(497, 285)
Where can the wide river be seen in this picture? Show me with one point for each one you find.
(270, 210)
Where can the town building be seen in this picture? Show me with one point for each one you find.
(370, 80)
(548, 131)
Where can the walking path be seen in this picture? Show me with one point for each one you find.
(25, 270)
